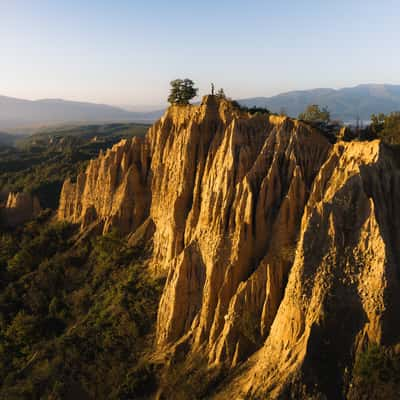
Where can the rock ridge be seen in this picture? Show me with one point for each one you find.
(265, 231)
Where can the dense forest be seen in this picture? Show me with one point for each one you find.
(76, 316)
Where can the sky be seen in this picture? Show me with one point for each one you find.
(125, 52)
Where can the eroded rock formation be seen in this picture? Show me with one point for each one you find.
(343, 288)
(113, 191)
(276, 244)
(18, 208)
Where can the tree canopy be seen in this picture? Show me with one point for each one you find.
(386, 127)
(314, 113)
(182, 91)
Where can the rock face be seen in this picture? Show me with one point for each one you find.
(19, 208)
(113, 191)
(343, 287)
(276, 244)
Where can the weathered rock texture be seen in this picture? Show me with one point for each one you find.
(343, 288)
(113, 191)
(276, 244)
(18, 208)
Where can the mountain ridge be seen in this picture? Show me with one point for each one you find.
(346, 104)
(17, 113)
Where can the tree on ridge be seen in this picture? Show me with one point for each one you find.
(182, 91)
(314, 113)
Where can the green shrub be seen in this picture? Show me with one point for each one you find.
(141, 382)
(376, 364)
(76, 314)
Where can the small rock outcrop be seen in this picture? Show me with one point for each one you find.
(18, 208)
(279, 248)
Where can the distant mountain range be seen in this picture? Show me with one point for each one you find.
(344, 104)
(18, 113)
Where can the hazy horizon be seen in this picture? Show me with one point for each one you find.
(125, 53)
(160, 105)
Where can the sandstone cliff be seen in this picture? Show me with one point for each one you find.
(18, 208)
(113, 191)
(276, 244)
(343, 287)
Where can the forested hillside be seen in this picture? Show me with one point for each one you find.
(75, 316)
(40, 163)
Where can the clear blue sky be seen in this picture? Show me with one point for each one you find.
(126, 52)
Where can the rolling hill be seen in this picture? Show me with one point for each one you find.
(18, 113)
(345, 104)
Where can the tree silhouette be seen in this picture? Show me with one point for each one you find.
(182, 90)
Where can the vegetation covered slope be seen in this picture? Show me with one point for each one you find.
(76, 317)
